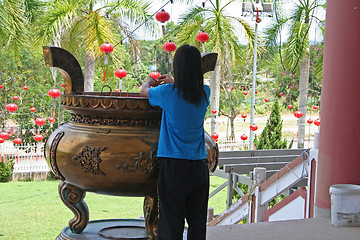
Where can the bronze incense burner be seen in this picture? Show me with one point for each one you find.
(109, 145)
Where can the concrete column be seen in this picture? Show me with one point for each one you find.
(339, 146)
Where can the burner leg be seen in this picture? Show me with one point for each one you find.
(72, 197)
(151, 210)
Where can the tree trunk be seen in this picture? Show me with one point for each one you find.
(215, 95)
(89, 72)
(232, 121)
(303, 92)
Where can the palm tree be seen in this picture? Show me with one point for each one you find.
(81, 27)
(297, 50)
(223, 30)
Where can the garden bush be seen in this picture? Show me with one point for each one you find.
(6, 170)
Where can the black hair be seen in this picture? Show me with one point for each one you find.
(188, 75)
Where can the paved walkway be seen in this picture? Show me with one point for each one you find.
(307, 229)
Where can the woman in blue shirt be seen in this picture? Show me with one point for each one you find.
(183, 172)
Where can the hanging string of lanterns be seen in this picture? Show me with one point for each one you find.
(106, 48)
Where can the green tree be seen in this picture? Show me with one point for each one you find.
(297, 50)
(271, 136)
(214, 19)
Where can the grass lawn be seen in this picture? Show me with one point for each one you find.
(33, 210)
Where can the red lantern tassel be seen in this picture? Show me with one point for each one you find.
(104, 75)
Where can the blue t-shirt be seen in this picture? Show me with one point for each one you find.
(182, 133)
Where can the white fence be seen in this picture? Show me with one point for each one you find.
(28, 158)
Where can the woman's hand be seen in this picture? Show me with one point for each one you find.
(149, 83)
(166, 78)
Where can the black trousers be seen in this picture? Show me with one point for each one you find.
(183, 194)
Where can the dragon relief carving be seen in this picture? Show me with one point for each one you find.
(145, 162)
(89, 159)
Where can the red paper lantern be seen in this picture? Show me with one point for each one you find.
(243, 137)
(202, 37)
(309, 121)
(51, 119)
(169, 46)
(116, 90)
(315, 107)
(256, 92)
(17, 140)
(243, 115)
(245, 93)
(215, 136)
(266, 100)
(40, 121)
(63, 85)
(155, 75)
(25, 87)
(317, 122)
(253, 127)
(214, 111)
(162, 16)
(290, 106)
(232, 88)
(33, 109)
(106, 48)
(120, 73)
(2, 140)
(38, 137)
(54, 93)
(298, 114)
(281, 94)
(1, 86)
(11, 107)
(4, 135)
(15, 98)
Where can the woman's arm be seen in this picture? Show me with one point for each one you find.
(150, 82)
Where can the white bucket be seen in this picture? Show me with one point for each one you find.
(345, 205)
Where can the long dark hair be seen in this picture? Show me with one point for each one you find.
(188, 76)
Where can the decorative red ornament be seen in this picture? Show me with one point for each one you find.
(308, 95)
(15, 98)
(2, 140)
(215, 136)
(162, 16)
(315, 107)
(245, 93)
(4, 135)
(266, 100)
(25, 87)
(317, 122)
(169, 46)
(106, 48)
(290, 106)
(116, 90)
(54, 93)
(232, 88)
(51, 119)
(256, 92)
(281, 94)
(243, 115)
(202, 37)
(253, 127)
(1, 86)
(309, 121)
(155, 75)
(214, 111)
(63, 85)
(243, 137)
(40, 121)
(120, 73)
(17, 140)
(298, 114)
(11, 107)
(38, 137)
(33, 109)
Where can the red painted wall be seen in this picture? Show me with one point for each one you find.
(339, 146)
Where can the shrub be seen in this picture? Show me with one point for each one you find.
(6, 170)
